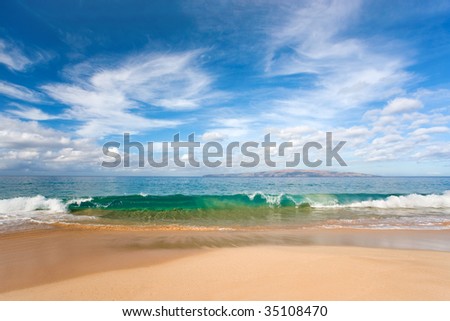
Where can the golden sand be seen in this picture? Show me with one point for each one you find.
(94, 265)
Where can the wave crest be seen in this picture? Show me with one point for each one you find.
(408, 201)
(32, 204)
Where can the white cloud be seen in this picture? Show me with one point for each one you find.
(400, 135)
(27, 145)
(171, 81)
(226, 133)
(30, 113)
(214, 136)
(430, 130)
(439, 151)
(19, 134)
(19, 92)
(233, 122)
(309, 31)
(110, 100)
(341, 75)
(12, 56)
(295, 132)
(229, 128)
(345, 72)
(402, 105)
(387, 139)
(419, 122)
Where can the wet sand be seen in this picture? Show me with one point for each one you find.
(80, 264)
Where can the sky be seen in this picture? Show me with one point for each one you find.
(75, 75)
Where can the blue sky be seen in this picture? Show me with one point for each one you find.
(76, 74)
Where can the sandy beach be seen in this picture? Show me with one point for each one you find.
(71, 264)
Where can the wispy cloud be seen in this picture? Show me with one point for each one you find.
(295, 69)
(19, 92)
(16, 58)
(30, 113)
(12, 56)
(346, 71)
(336, 77)
(113, 99)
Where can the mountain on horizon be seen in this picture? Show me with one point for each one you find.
(293, 173)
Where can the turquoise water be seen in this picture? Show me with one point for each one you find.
(234, 203)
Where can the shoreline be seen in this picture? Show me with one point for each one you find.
(77, 264)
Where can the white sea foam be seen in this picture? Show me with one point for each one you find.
(321, 200)
(31, 204)
(330, 201)
(78, 201)
(272, 200)
(408, 201)
(20, 211)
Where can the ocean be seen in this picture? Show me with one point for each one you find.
(226, 203)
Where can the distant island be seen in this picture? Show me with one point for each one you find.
(293, 173)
